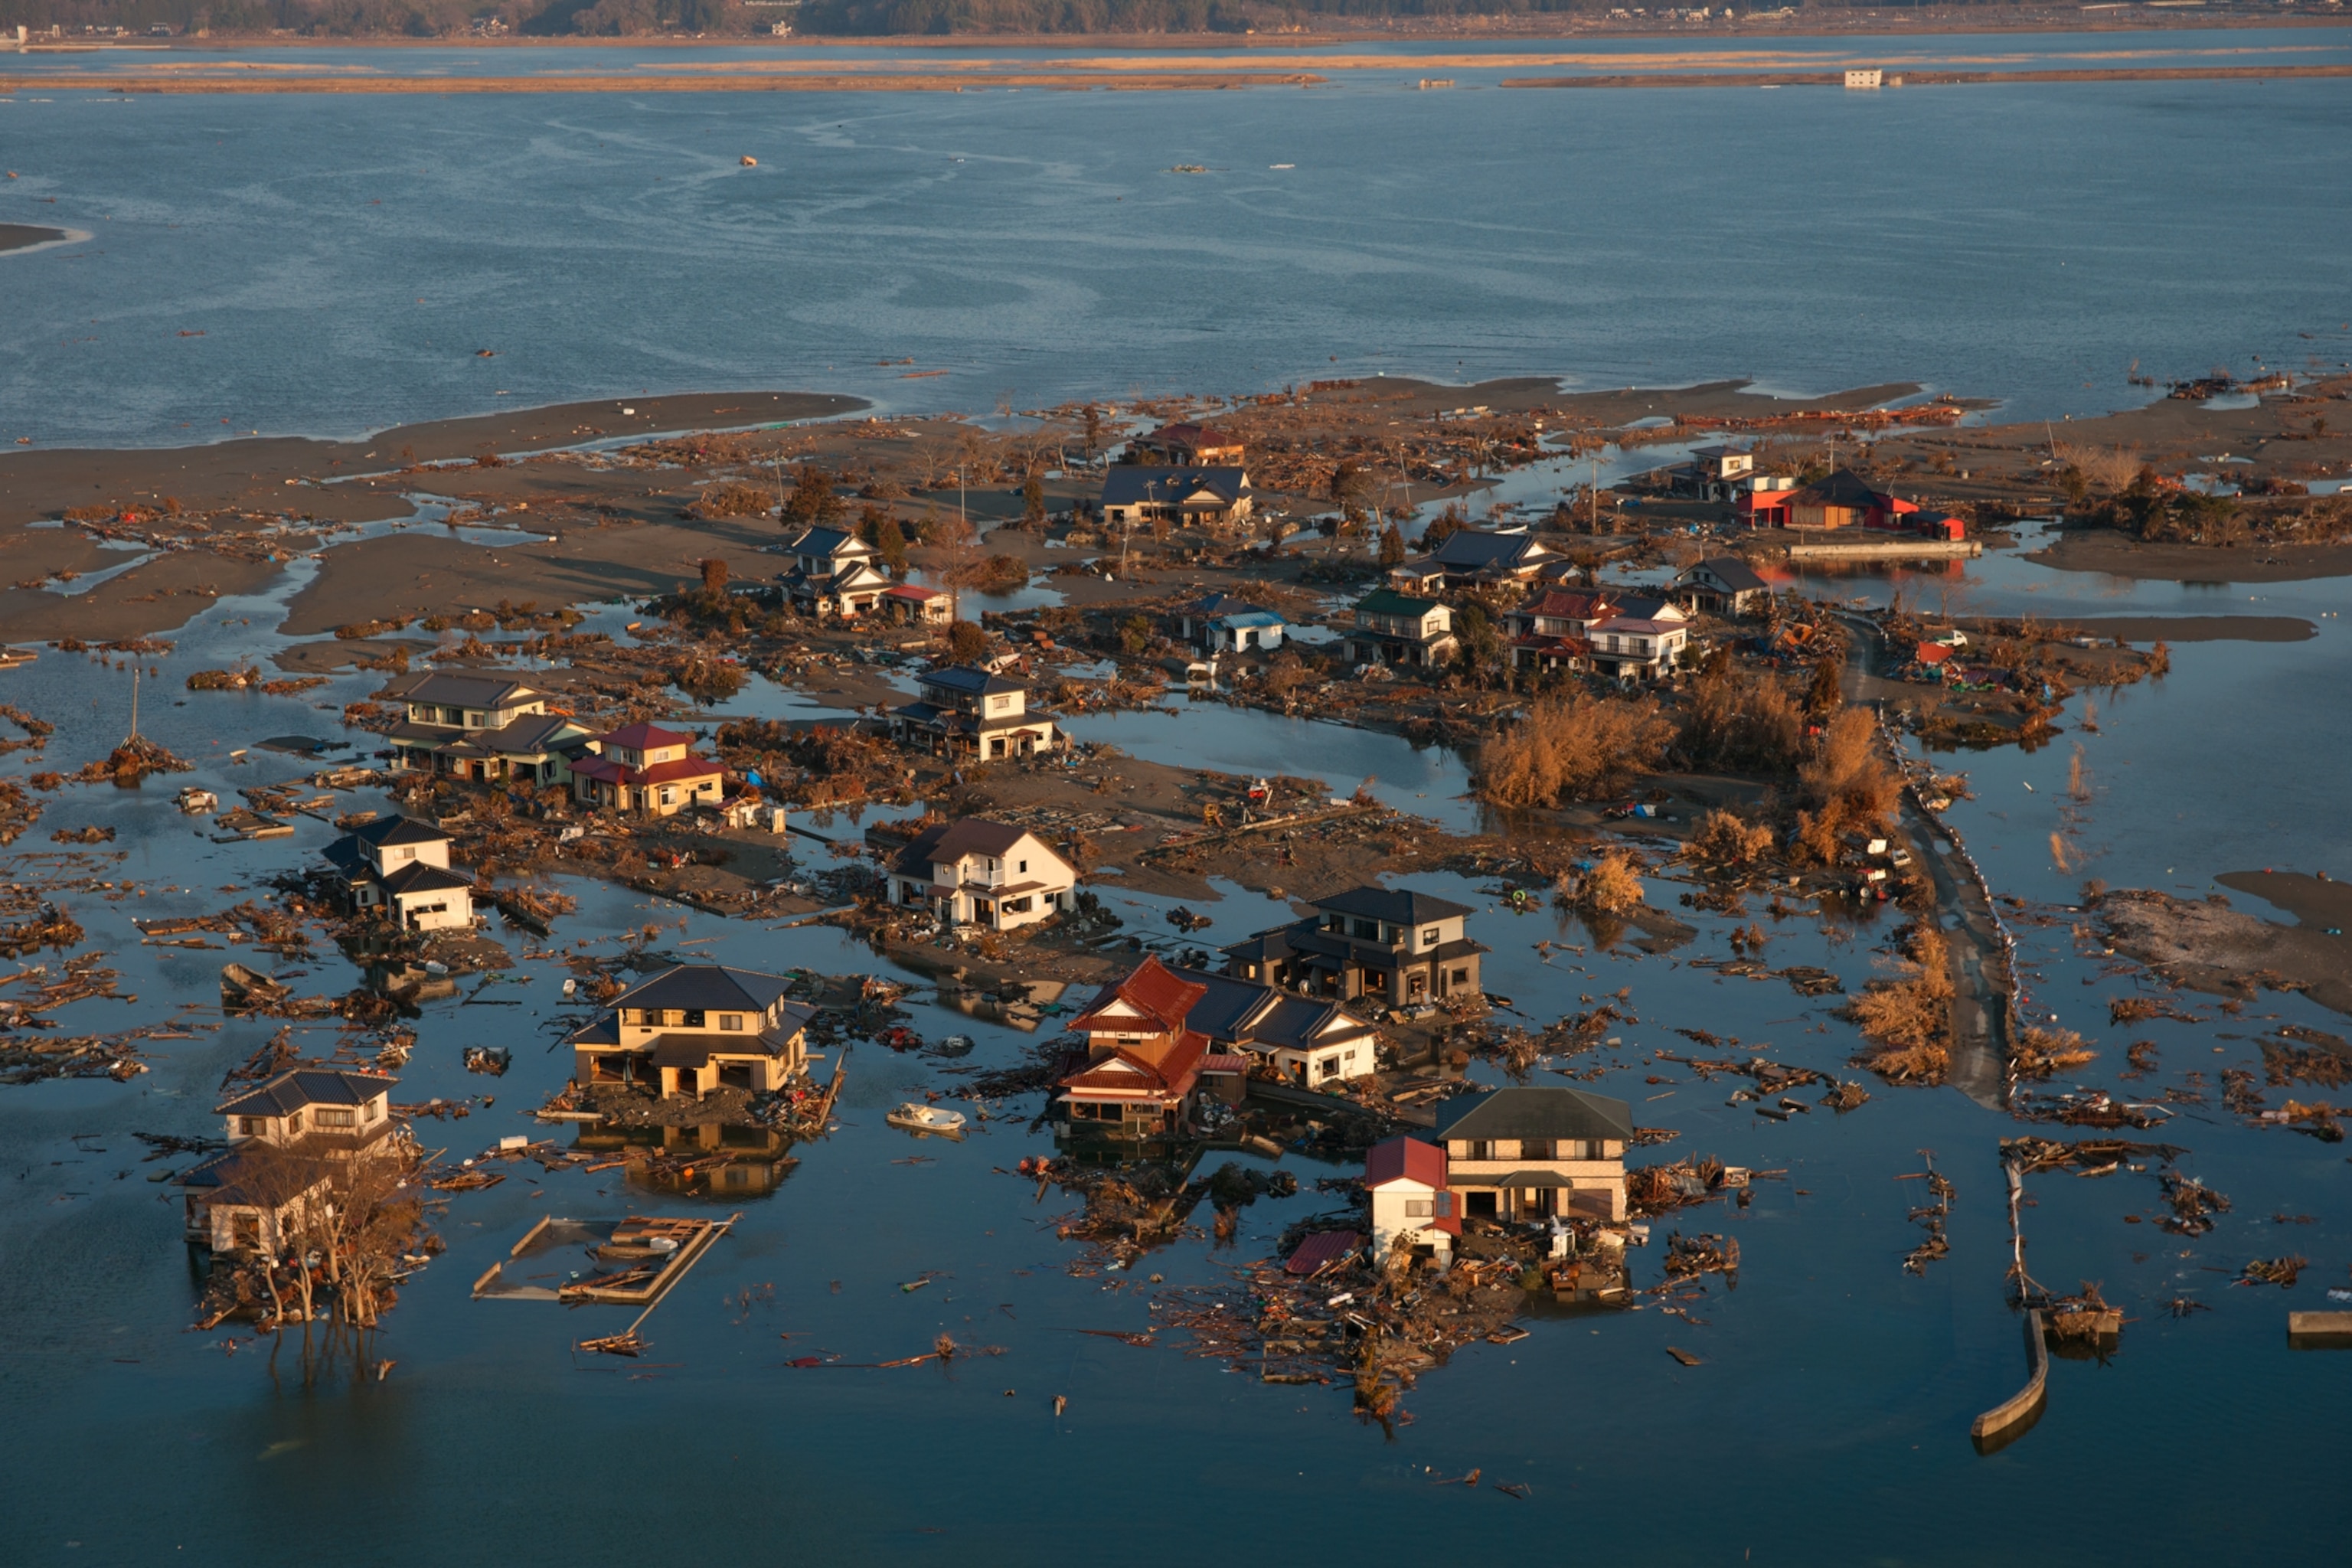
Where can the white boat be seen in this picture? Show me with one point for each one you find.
(198, 801)
(917, 1118)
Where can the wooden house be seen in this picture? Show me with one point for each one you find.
(1390, 945)
(399, 868)
(1395, 629)
(647, 770)
(966, 711)
(983, 873)
(694, 1028)
(287, 1136)
(1530, 1153)
(1412, 1207)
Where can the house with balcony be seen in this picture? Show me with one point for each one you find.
(1412, 1207)
(833, 572)
(399, 868)
(1524, 1155)
(1473, 558)
(646, 769)
(1714, 473)
(288, 1137)
(694, 1028)
(1391, 946)
(978, 872)
(1393, 628)
(1636, 647)
(1134, 494)
(1141, 1067)
(1550, 628)
(479, 727)
(1187, 445)
(966, 711)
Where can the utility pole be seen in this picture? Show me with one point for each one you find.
(134, 700)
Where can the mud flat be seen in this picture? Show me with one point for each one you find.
(2120, 555)
(2207, 945)
(2176, 628)
(1939, 78)
(19, 235)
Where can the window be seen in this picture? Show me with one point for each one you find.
(1328, 1067)
(332, 1117)
(375, 1110)
(1536, 1149)
(1462, 977)
(1419, 1208)
(1481, 1149)
(1368, 930)
(294, 1122)
(251, 1126)
(1429, 936)
(1025, 867)
(403, 854)
(730, 1020)
(693, 1018)
(669, 795)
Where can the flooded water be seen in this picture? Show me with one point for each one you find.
(345, 256)
(1829, 1420)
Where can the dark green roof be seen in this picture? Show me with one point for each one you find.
(1389, 602)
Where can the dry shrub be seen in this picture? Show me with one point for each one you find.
(1740, 722)
(2103, 467)
(1612, 887)
(1724, 839)
(1575, 747)
(1848, 785)
(708, 679)
(1908, 1018)
(732, 500)
(2044, 1052)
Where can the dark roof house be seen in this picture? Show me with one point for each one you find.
(1538, 1113)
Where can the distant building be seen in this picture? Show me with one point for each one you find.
(984, 873)
(1551, 627)
(1864, 78)
(399, 868)
(648, 769)
(1470, 557)
(697, 1028)
(1723, 584)
(286, 1136)
(1530, 1153)
(1206, 496)
(833, 572)
(1399, 629)
(1714, 473)
(916, 606)
(966, 711)
(1635, 647)
(1390, 945)
(1221, 622)
(479, 727)
(1189, 445)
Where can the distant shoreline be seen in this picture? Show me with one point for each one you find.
(1101, 74)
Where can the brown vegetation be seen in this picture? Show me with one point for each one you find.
(1908, 1017)
(1575, 747)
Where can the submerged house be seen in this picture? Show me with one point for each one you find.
(697, 1028)
(1531, 1153)
(647, 769)
(1398, 629)
(1222, 623)
(1390, 945)
(984, 873)
(1303, 1040)
(399, 868)
(968, 712)
(287, 1137)
(1412, 1205)
(1189, 445)
(479, 727)
(1141, 1069)
(1722, 584)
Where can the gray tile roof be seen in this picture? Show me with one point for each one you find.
(1398, 906)
(301, 1087)
(705, 987)
(1513, 1113)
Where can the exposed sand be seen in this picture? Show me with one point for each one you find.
(18, 236)
(2120, 555)
(2176, 628)
(2209, 946)
(1931, 77)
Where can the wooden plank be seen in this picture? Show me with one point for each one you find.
(531, 1235)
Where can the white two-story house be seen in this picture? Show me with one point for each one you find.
(966, 711)
(983, 873)
(399, 868)
(1399, 629)
(1645, 639)
(1529, 1153)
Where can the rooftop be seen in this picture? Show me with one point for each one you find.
(1517, 1113)
(970, 680)
(1127, 484)
(645, 738)
(1389, 602)
(301, 1087)
(460, 690)
(705, 987)
(1398, 906)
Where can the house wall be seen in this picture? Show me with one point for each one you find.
(437, 910)
(1404, 1212)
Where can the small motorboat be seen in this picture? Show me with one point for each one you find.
(953, 1046)
(917, 1118)
(198, 801)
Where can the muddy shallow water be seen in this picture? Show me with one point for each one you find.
(1832, 1381)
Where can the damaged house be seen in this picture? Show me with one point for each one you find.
(983, 873)
(966, 711)
(479, 727)
(1388, 945)
(1142, 1067)
(833, 572)
(286, 1137)
(697, 1028)
(399, 868)
(1531, 1154)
